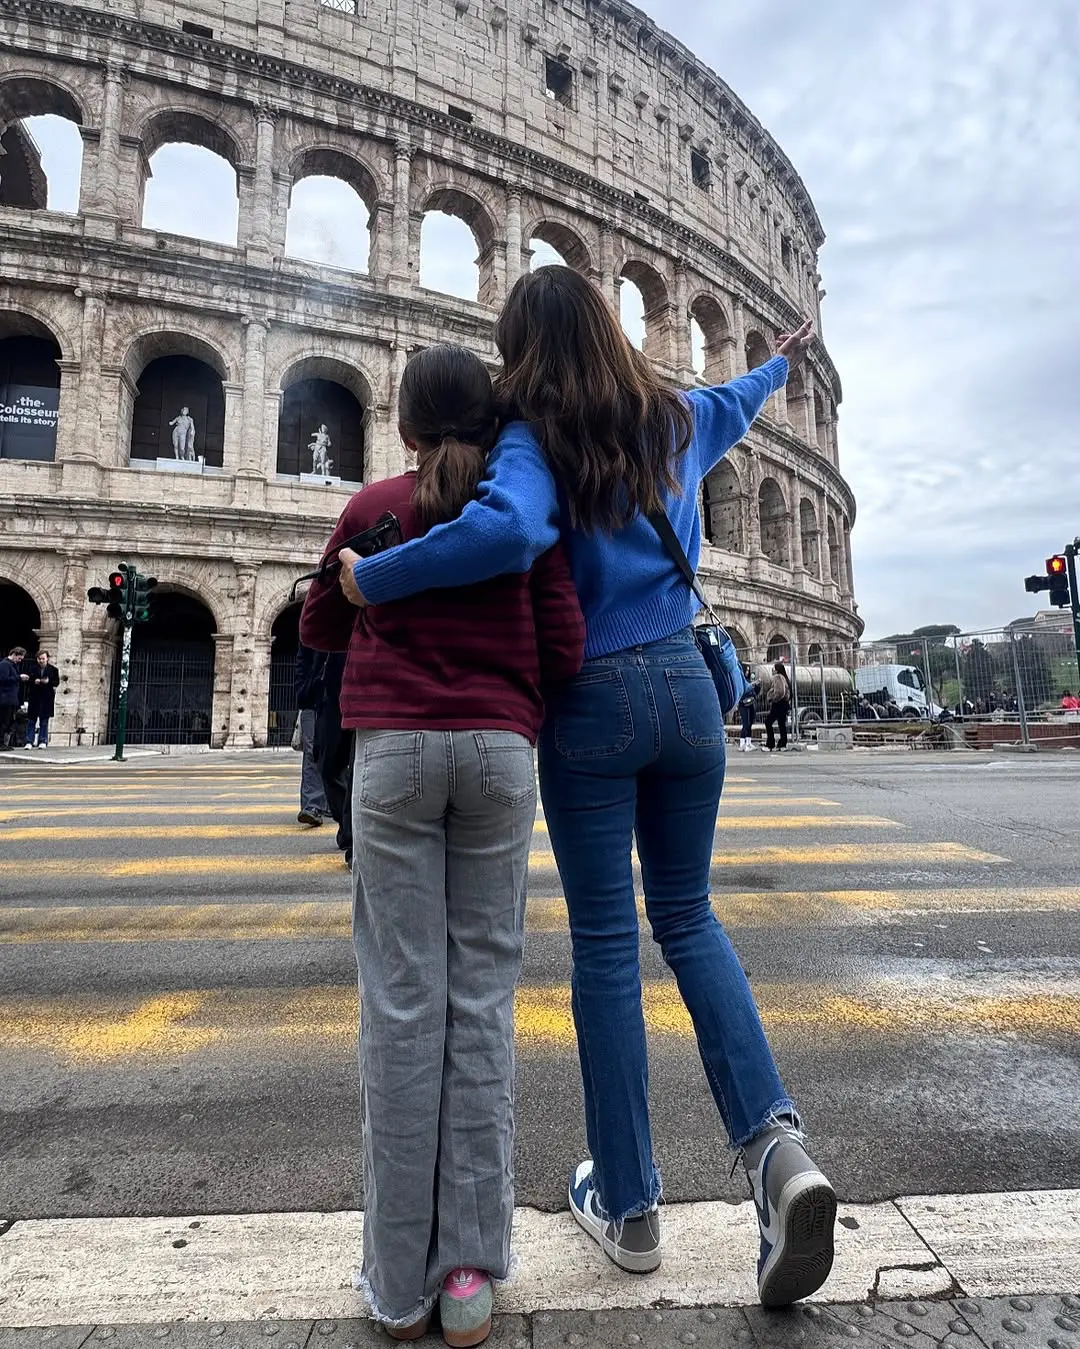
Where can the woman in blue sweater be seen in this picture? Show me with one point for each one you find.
(634, 746)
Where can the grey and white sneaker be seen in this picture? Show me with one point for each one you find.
(796, 1212)
(633, 1244)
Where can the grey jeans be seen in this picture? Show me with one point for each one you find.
(442, 823)
(312, 795)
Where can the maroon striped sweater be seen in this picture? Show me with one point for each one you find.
(472, 658)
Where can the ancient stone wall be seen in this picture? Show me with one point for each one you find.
(579, 124)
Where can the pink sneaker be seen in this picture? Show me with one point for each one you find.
(465, 1308)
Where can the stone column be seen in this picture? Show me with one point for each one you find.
(101, 195)
(234, 418)
(98, 656)
(514, 257)
(257, 230)
(753, 507)
(399, 253)
(389, 459)
(798, 563)
(381, 231)
(66, 645)
(252, 441)
(683, 353)
(607, 264)
(223, 682)
(241, 730)
(847, 583)
(259, 688)
(79, 439)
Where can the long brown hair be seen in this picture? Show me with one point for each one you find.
(611, 430)
(446, 408)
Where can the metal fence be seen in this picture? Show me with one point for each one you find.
(1008, 684)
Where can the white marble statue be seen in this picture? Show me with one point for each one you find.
(319, 445)
(183, 435)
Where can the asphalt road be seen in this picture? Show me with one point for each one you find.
(178, 1008)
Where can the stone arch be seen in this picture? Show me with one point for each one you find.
(187, 581)
(323, 391)
(284, 640)
(821, 422)
(20, 618)
(167, 371)
(25, 573)
(23, 318)
(31, 95)
(349, 201)
(723, 508)
(757, 349)
(461, 204)
(810, 536)
(655, 303)
(815, 654)
(30, 383)
(169, 127)
(739, 640)
(567, 242)
(778, 648)
(714, 325)
(834, 553)
(773, 514)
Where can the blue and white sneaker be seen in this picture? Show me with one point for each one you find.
(796, 1212)
(633, 1244)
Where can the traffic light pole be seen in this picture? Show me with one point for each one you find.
(1074, 595)
(121, 707)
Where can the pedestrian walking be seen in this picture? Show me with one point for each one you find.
(633, 747)
(748, 710)
(778, 697)
(12, 682)
(443, 692)
(42, 683)
(309, 675)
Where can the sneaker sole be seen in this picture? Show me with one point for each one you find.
(802, 1260)
(465, 1339)
(630, 1262)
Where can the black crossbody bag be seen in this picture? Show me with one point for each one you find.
(712, 638)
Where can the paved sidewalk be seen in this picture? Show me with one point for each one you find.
(1049, 1322)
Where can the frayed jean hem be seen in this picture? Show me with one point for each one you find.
(656, 1191)
(423, 1308)
(781, 1112)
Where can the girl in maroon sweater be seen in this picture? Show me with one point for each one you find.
(444, 691)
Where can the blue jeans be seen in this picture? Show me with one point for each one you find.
(41, 724)
(635, 745)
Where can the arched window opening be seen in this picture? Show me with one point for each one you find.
(179, 412)
(29, 389)
(284, 644)
(834, 553)
(328, 223)
(758, 350)
(544, 255)
(448, 256)
(739, 642)
(632, 313)
(20, 619)
(42, 164)
(322, 423)
(779, 648)
(816, 654)
(192, 191)
(808, 531)
(171, 683)
(774, 523)
(722, 503)
(821, 423)
(710, 337)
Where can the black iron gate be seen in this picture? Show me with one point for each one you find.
(282, 703)
(170, 693)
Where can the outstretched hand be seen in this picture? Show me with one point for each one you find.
(794, 345)
(347, 579)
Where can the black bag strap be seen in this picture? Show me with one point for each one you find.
(661, 522)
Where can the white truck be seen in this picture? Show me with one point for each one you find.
(903, 685)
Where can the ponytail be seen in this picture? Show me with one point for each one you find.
(446, 480)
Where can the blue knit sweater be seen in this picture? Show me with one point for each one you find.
(630, 590)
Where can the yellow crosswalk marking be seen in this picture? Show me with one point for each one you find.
(541, 863)
(69, 808)
(91, 1030)
(330, 919)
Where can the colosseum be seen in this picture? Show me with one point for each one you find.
(204, 409)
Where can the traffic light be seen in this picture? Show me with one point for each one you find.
(118, 591)
(1057, 571)
(141, 603)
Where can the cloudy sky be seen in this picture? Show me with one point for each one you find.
(939, 142)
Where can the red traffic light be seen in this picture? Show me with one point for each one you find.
(1056, 565)
(117, 579)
